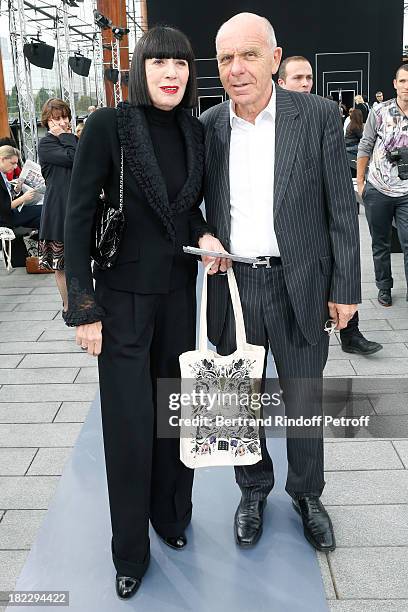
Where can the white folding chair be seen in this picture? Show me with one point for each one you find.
(7, 235)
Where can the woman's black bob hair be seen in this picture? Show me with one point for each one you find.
(161, 42)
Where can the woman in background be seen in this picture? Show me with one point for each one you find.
(354, 131)
(56, 152)
(10, 216)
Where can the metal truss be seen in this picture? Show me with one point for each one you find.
(22, 76)
(136, 21)
(98, 65)
(97, 51)
(117, 89)
(63, 53)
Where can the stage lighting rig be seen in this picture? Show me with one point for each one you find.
(119, 33)
(103, 22)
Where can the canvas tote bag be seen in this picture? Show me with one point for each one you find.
(219, 426)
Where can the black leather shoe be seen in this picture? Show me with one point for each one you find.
(126, 586)
(356, 343)
(384, 297)
(317, 526)
(177, 542)
(248, 522)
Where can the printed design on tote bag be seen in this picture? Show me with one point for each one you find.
(227, 421)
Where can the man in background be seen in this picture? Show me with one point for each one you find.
(379, 98)
(296, 74)
(384, 146)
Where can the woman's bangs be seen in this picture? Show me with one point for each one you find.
(165, 44)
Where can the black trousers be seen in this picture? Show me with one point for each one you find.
(352, 327)
(380, 211)
(29, 216)
(270, 320)
(143, 336)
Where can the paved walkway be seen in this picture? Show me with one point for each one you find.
(47, 385)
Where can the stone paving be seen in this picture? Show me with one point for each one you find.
(47, 385)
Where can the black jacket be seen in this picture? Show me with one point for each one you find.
(5, 205)
(364, 110)
(314, 209)
(150, 259)
(56, 156)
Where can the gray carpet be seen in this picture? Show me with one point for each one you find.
(72, 549)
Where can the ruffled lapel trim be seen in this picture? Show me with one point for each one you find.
(138, 150)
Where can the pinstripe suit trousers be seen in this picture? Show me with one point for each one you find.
(270, 320)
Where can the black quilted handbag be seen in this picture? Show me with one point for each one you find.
(108, 228)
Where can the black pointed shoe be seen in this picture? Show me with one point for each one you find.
(126, 586)
(359, 345)
(248, 522)
(384, 297)
(178, 542)
(317, 526)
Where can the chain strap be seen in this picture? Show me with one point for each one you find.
(121, 181)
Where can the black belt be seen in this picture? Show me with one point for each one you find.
(265, 262)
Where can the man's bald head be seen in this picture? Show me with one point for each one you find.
(247, 58)
(245, 20)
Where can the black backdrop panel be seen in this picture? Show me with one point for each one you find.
(305, 27)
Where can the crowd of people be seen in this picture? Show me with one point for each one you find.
(271, 164)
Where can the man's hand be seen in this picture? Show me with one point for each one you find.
(89, 337)
(360, 187)
(341, 313)
(210, 243)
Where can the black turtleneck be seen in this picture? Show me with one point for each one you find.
(168, 145)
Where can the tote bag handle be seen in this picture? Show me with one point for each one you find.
(236, 305)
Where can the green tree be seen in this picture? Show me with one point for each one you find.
(12, 104)
(41, 97)
(81, 107)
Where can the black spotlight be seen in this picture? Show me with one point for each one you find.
(39, 54)
(112, 75)
(124, 77)
(119, 33)
(103, 22)
(80, 64)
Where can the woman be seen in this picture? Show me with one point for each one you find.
(361, 105)
(15, 173)
(142, 315)
(56, 153)
(10, 216)
(79, 128)
(354, 131)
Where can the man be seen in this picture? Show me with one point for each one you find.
(379, 98)
(278, 187)
(385, 145)
(296, 74)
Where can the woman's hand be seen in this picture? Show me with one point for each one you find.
(28, 196)
(21, 200)
(89, 337)
(210, 243)
(55, 128)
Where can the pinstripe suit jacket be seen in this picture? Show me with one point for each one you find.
(315, 212)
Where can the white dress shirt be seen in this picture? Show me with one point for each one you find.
(251, 174)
